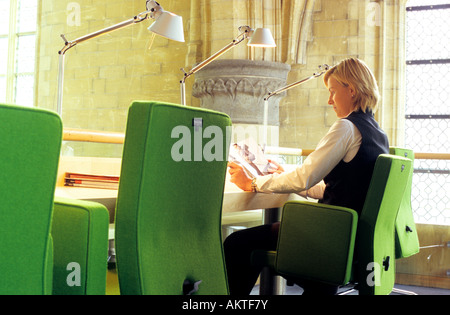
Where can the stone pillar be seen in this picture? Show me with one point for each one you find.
(238, 88)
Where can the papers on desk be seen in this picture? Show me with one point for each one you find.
(91, 181)
(250, 156)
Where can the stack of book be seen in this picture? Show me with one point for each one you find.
(91, 181)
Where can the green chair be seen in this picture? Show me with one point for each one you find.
(80, 242)
(168, 214)
(331, 245)
(30, 144)
(406, 238)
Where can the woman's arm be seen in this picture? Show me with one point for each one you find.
(340, 143)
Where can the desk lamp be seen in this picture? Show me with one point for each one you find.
(166, 24)
(261, 37)
(322, 69)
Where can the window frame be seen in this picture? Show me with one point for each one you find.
(427, 61)
(426, 168)
(13, 36)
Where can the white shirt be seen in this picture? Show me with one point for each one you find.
(342, 142)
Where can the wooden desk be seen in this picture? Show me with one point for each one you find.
(234, 198)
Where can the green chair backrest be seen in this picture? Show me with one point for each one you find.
(80, 247)
(375, 250)
(316, 242)
(30, 144)
(406, 237)
(168, 213)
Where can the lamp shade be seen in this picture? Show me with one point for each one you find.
(262, 37)
(168, 25)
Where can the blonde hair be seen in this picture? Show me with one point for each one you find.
(356, 74)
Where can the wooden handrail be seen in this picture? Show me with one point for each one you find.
(417, 155)
(93, 136)
(119, 138)
(432, 156)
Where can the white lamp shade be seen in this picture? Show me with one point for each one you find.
(168, 25)
(262, 37)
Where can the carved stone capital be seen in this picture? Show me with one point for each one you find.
(238, 88)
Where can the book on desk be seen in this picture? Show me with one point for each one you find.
(91, 181)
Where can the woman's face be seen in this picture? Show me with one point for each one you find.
(341, 98)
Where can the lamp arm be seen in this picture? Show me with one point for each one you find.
(136, 19)
(210, 59)
(245, 30)
(69, 44)
(288, 87)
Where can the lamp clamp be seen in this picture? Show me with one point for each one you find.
(322, 69)
(154, 8)
(246, 32)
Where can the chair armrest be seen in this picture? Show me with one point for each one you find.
(80, 235)
(316, 242)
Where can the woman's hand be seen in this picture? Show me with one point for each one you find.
(278, 168)
(239, 177)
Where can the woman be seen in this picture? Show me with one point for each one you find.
(338, 172)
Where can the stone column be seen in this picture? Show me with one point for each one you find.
(238, 87)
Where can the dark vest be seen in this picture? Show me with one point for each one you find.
(347, 183)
